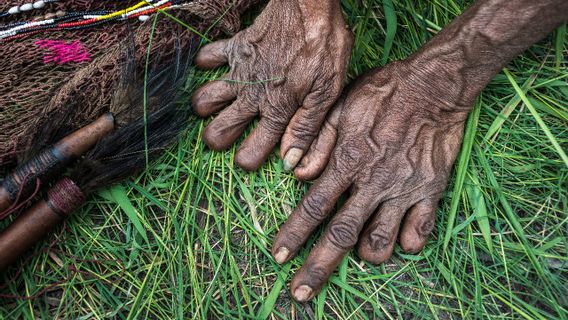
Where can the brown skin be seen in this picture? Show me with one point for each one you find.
(290, 84)
(398, 131)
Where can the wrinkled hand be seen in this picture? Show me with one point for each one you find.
(398, 132)
(288, 68)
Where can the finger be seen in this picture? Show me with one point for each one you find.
(312, 210)
(222, 132)
(377, 241)
(304, 127)
(340, 236)
(317, 157)
(213, 55)
(418, 224)
(213, 97)
(259, 144)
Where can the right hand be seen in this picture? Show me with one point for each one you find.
(398, 131)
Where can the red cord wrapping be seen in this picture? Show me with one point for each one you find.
(65, 196)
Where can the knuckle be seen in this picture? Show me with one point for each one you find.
(346, 157)
(318, 273)
(232, 45)
(241, 51)
(343, 234)
(323, 95)
(379, 241)
(303, 129)
(313, 208)
(381, 237)
(274, 123)
(338, 174)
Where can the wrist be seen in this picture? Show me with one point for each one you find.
(443, 92)
(466, 54)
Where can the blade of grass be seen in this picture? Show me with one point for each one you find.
(477, 202)
(538, 119)
(493, 130)
(461, 169)
(118, 195)
(390, 16)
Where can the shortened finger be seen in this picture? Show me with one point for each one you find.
(341, 235)
(379, 237)
(417, 226)
(256, 148)
(213, 55)
(224, 130)
(212, 97)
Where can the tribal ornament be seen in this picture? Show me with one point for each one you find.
(132, 74)
(26, 7)
(33, 93)
(80, 20)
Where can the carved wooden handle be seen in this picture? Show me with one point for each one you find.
(32, 225)
(45, 166)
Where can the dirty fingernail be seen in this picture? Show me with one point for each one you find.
(303, 293)
(281, 255)
(292, 158)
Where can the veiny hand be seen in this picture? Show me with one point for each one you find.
(288, 68)
(398, 133)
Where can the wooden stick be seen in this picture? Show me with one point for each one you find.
(33, 224)
(20, 185)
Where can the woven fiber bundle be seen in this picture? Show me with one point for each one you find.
(65, 79)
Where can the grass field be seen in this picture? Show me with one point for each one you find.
(190, 238)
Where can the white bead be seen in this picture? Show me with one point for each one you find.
(13, 10)
(143, 18)
(39, 4)
(26, 7)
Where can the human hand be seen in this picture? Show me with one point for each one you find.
(288, 68)
(398, 132)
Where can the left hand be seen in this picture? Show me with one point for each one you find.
(398, 134)
(288, 68)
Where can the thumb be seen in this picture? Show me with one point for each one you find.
(305, 125)
(317, 157)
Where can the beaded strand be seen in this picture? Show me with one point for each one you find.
(26, 7)
(80, 20)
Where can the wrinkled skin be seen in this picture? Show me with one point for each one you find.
(288, 68)
(394, 135)
(395, 149)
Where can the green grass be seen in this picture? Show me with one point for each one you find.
(190, 237)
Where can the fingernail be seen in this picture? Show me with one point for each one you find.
(303, 293)
(292, 158)
(281, 255)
